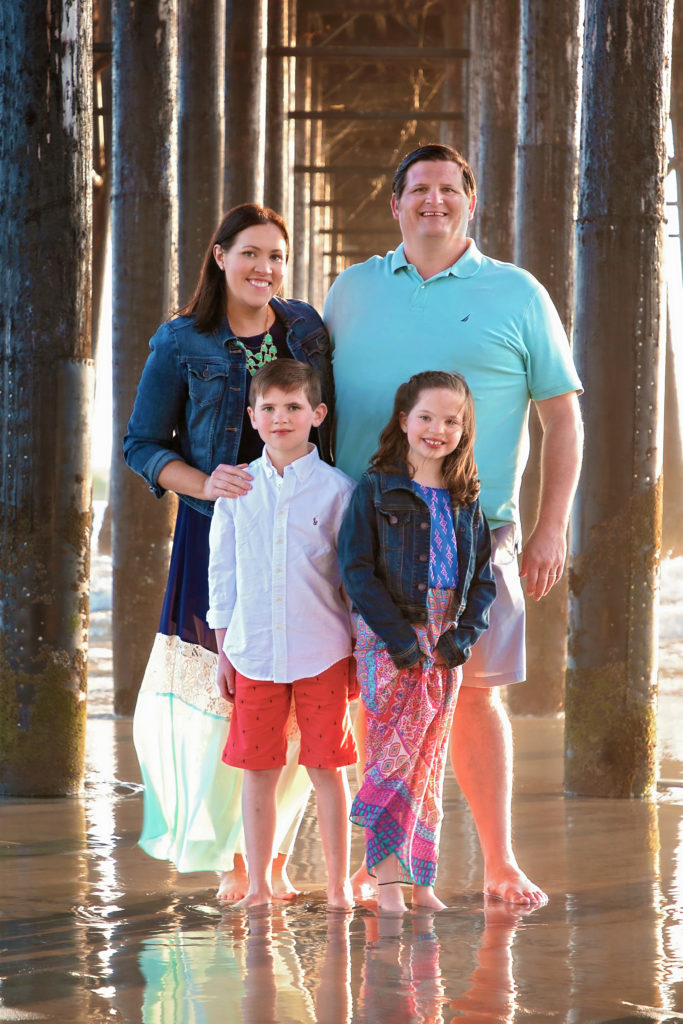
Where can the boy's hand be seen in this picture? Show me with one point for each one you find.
(354, 684)
(225, 679)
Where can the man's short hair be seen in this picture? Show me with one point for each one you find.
(288, 375)
(434, 151)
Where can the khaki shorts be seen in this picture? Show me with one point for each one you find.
(499, 656)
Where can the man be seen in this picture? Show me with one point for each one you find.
(438, 303)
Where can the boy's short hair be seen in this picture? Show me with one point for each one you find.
(288, 375)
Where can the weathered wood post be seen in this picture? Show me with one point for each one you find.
(144, 290)
(610, 725)
(277, 190)
(302, 184)
(495, 29)
(101, 156)
(455, 91)
(201, 126)
(546, 177)
(672, 520)
(672, 489)
(245, 83)
(46, 386)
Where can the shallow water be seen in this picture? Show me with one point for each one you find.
(92, 930)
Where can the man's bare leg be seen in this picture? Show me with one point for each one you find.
(481, 755)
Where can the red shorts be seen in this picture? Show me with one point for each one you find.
(257, 738)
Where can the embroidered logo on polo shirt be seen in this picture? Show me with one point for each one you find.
(315, 520)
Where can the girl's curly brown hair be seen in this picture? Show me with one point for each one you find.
(459, 468)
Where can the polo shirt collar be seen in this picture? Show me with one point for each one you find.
(466, 266)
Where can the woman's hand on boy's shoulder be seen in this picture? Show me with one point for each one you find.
(227, 482)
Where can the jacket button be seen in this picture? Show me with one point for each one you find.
(422, 586)
(206, 372)
(424, 526)
(393, 520)
(423, 558)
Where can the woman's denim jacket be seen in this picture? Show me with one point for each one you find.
(194, 388)
(384, 545)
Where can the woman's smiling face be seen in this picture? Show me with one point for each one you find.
(254, 265)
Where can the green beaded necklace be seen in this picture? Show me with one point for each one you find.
(266, 353)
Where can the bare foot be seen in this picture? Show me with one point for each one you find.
(234, 884)
(340, 897)
(257, 898)
(390, 899)
(510, 884)
(282, 887)
(363, 884)
(424, 898)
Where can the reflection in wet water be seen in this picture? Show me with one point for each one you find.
(301, 964)
(92, 930)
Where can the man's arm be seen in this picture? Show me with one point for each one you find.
(544, 553)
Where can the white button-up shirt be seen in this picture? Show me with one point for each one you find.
(274, 580)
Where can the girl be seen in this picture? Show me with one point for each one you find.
(414, 549)
(190, 433)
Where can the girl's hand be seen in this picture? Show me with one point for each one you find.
(225, 680)
(227, 482)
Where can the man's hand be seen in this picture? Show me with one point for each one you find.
(225, 680)
(543, 558)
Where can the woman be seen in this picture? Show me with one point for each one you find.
(189, 432)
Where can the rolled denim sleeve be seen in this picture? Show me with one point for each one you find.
(455, 645)
(358, 551)
(150, 440)
(222, 566)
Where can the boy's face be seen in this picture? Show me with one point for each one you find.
(284, 420)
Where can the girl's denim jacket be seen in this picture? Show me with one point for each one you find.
(384, 545)
(194, 388)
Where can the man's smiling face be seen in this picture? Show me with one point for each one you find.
(433, 204)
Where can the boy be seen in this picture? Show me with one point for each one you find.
(283, 625)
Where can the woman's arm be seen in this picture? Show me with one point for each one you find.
(159, 406)
(225, 481)
(149, 446)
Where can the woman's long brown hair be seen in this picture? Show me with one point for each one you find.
(459, 468)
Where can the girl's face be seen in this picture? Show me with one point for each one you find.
(254, 265)
(434, 425)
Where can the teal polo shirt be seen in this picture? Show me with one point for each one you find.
(490, 321)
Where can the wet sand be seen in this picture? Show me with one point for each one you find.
(93, 930)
